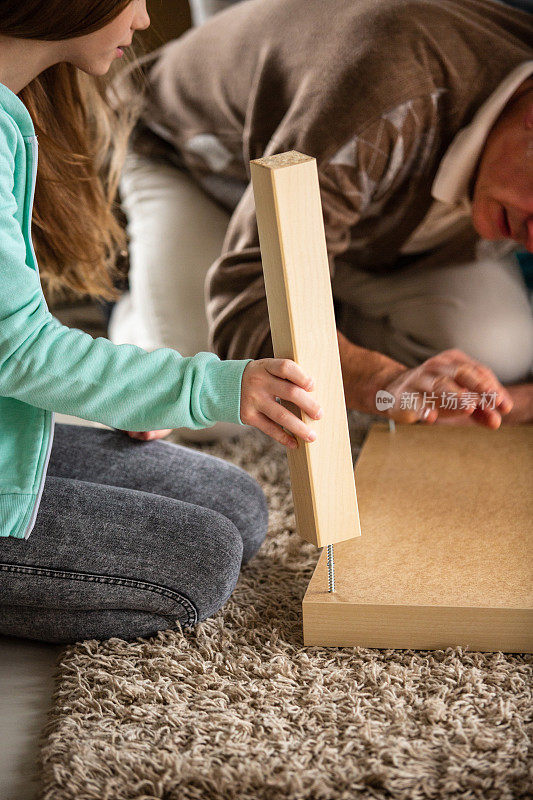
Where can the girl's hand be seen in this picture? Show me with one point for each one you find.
(454, 373)
(148, 436)
(262, 382)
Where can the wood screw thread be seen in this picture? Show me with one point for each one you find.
(331, 569)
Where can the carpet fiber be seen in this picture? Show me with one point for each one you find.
(237, 709)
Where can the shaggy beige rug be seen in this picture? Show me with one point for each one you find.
(237, 709)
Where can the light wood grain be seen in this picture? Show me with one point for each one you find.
(446, 555)
(302, 321)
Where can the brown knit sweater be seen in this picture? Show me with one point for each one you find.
(374, 89)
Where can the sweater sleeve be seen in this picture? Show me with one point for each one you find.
(53, 367)
(372, 187)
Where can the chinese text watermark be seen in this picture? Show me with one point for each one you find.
(451, 401)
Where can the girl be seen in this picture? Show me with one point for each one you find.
(126, 538)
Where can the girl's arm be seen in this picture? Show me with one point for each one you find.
(50, 366)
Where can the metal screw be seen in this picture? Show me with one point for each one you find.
(331, 569)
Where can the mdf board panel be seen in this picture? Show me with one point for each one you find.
(302, 321)
(445, 557)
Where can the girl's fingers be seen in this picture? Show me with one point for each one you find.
(148, 436)
(277, 433)
(289, 371)
(289, 391)
(282, 416)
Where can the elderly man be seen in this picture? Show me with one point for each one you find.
(420, 116)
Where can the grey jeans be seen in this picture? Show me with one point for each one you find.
(130, 537)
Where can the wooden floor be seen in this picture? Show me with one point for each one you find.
(26, 670)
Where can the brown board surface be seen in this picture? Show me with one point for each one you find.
(445, 552)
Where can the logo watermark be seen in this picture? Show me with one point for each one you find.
(451, 401)
(384, 400)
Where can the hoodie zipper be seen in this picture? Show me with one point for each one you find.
(35, 157)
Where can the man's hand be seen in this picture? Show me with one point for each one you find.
(522, 397)
(449, 385)
(521, 412)
(365, 372)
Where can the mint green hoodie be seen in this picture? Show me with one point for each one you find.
(46, 367)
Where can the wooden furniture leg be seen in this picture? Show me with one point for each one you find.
(302, 319)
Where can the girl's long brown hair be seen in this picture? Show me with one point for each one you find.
(83, 139)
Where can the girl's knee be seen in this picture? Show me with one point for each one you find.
(255, 530)
(195, 583)
(215, 565)
(249, 513)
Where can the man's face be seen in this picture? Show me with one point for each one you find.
(502, 204)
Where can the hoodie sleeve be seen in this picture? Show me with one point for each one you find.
(53, 367)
